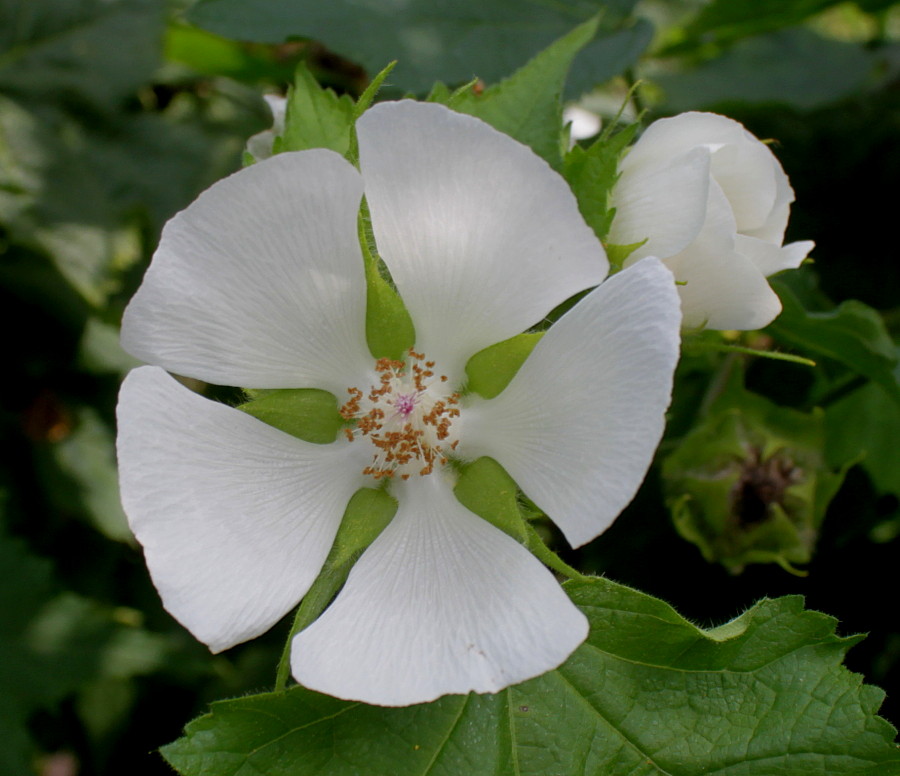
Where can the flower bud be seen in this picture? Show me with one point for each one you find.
(260, 145)
(750, 485)
(712, 201)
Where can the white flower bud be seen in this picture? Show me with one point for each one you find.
(712, 202)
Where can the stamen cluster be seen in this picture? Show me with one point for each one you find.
(406, 416)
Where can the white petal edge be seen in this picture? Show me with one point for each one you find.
(235, 517)
(662, 204)
(259, 282)
(481, 236)
(743, 166)
(578, 425)
(720, 287)
(770, 258)
(442, 602)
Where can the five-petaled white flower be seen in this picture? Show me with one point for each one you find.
(712, 201)
(260, 283)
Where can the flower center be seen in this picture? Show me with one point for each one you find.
(407, 417)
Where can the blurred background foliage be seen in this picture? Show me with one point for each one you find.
(114, 114)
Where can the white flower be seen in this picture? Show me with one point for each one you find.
(712, 201)
(584, 123)
(259, 146)
(260, 283)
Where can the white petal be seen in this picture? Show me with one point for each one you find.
(770, 258)
(235, 517)
(579, 423)
(259, 146)
(259, 283)
(772, 230)
(720, 288)
(442, 602)
(742, 165)
(481, 236)
(664, 204)
(584, 123)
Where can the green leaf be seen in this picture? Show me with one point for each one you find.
(866, 423)
(316, 117)
(213, 55)
(852, 334)
(796, 67)
(307, 413)
(724, 21)
(453, 43)
(592, 172)
(648, 693)
(73, 48)
(527, 106)
(489, 371)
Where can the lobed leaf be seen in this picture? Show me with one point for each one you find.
(648, 693)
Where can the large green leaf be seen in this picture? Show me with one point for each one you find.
(74, 48)
(796, 67)
(727, 20)
(852, 334)
(453, 41)
(648, 693)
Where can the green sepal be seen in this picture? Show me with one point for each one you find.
(389, 327)
(307, 413)
(490, 370)
(618, 254)
(366, 516)
(315, 117)
(592, 172)
(527, 106)
(362, 105)
(486, 489)
(368, 96)
(750, 483)
(441, 93)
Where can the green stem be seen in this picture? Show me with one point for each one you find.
(771, 354)
(634, 92)
(549, 558)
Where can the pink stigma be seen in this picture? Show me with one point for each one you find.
(405, 404)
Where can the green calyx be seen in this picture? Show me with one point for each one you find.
(750, 484)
